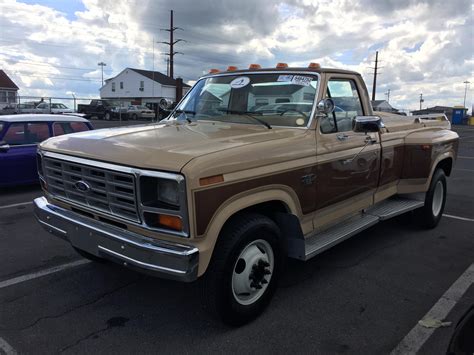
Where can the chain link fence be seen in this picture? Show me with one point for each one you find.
(91, 108)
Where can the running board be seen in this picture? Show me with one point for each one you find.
(319, 242)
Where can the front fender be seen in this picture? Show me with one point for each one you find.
(236, 204)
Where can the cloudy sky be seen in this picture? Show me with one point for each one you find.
(52, 47)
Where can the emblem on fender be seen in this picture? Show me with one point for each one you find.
(82, 186)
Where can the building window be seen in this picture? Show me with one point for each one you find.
(142, 85)
(3, 96)
(121, 85)
(11, 96)
(113, 86)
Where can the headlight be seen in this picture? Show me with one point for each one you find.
(160, 193)
(168, 192)
(163, 203)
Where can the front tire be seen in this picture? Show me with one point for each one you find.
(244, 271)
(107, 116)
(134, 117)
(430, 214)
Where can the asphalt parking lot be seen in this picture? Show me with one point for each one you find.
(362, 297)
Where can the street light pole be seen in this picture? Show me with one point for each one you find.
(466, 83)
(102, 64)
(421, 100)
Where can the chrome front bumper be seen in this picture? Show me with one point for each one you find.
(159, 258)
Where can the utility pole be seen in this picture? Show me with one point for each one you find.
(374, 85)
(171, 44)
(421, 100)
(466, 83)
(167, 61)
(102, 64)
(388, 95)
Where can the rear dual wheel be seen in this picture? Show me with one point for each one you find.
(243, 273)
(430, 214)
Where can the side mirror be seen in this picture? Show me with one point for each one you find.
(326, 106)
(367, 124)
(4, 147)
(165, 104)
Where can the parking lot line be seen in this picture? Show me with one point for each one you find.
(415, 339)
(16, 205)
(42, 273)
(470, 170)
(457, 217)
(6, 348)
(464, 157)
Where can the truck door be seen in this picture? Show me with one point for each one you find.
(348, 162)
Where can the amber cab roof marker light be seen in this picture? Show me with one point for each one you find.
(232, 68)
(314, 65)
(214, 71)
(255, 66)
(282, 66)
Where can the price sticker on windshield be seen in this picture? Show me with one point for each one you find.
(301, 80)
(239, 82)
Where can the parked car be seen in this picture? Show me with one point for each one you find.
(140, 112)
(103, 109)
(19, 135)
(11, 109)
(45, 107)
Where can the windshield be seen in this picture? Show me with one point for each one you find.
(278, 99)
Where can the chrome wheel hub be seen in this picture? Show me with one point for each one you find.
(252, 272)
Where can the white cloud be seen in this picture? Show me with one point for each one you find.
(425, 46)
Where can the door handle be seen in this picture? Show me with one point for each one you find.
(342, 136)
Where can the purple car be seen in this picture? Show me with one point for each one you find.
(19, 136)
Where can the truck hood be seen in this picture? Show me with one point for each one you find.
(166, 146)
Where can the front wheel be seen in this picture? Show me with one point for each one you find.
(107, 116)
(243, 274)
(430, 214)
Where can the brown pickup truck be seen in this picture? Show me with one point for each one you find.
(252, 167)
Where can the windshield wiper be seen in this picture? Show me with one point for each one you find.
(250, 114)
(185, 116)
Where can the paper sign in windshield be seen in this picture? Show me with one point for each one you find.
(295, 79)
(239, 82)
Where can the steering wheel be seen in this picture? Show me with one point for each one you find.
(294, 110)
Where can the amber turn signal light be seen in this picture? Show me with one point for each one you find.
(232, 68)
(171, 222)
(211, 180)
(255, 66)
(213, 71)
(282, 66)
(314, 66)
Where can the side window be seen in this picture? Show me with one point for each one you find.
(26, 133)
(60, 128)
(36, 132)
(113, 86)
(347, 106)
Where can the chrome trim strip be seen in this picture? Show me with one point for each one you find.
(313, 111)
(47, 225)
(109, 166)
(139, 263)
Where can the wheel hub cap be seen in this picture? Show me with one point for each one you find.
(252, 272)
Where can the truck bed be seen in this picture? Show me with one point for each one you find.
(397, 123)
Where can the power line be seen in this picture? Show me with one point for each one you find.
(47, 65)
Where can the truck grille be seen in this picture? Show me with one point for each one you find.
(105, 190)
